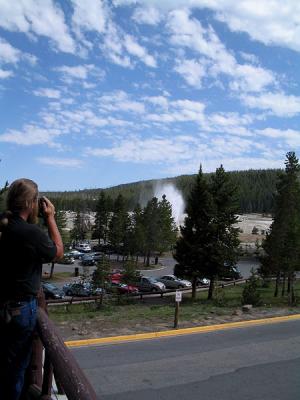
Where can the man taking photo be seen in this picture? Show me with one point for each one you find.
(24, 247)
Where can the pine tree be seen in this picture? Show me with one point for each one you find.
(151, 221)
(80, 228)
(191, 249)
(100, 229)
(167, 232)
(137, 234)
(282, 244)
(223, 248)
(118, 225)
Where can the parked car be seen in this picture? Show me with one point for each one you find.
(76, 254)
(122, 288)
(97, 255)
(83, 247)
(87, 261)
(202, 282)
(149, 284)
(116, 275)
(67, 259)
(231, 272)
(172, 282)
(77, 289)
(51, 291)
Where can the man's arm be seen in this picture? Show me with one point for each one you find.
(49, 213)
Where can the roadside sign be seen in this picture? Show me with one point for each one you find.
(178, 296)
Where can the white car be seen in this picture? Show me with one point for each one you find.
(83, 247)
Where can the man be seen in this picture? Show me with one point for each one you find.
(24, 247)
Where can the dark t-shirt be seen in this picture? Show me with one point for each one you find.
(23, 249)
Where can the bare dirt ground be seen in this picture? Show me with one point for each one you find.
(101, 327)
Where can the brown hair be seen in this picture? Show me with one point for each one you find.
(21, 194)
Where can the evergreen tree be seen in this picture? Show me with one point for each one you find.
(138, 234)
(130, 274)
(151, 221)
(282, 244)
(118, 225)
(61, 225)
(100, 229)
(192, 246)
(80, 228)
(223, 248)
(167, 232)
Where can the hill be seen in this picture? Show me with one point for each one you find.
(256, 189)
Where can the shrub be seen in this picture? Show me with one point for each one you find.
(251, 293)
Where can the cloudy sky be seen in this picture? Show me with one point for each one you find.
(95, 93)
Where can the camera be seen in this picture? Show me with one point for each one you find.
(41, 207)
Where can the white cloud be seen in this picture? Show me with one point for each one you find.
(90, 15)
(38, 18)
(80, 72)
(280, 104)
(139, 150)
(120, 101)
(8, 53)
(47, 92)
(251, 79)
(290, 136)
(271, 22)
(187, 32)
(12, 55)
(4, 74)
(160, 101)
(192, 71)
(61, 162)
(137, 50)
(147, 15)
(31, 135)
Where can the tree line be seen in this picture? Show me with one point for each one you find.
(142, 232)
(256, 190)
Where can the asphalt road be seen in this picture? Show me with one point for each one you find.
(253, 363)
(244, 266)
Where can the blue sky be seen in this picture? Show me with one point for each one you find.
(97, 93)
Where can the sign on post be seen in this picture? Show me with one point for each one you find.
(178, 296)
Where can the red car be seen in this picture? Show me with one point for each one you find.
(122, 288)
(116, 276)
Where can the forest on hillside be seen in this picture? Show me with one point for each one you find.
(256, 190)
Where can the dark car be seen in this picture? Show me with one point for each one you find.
(51, 291)
(87, 261)
(67, 259)
(77, 289)
(230, 273)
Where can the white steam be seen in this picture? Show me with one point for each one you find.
(175, 198)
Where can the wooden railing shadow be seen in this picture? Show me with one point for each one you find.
(52, 359)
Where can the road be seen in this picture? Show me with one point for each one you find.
(260, 363)
(168, 263)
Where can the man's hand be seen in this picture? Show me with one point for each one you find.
(48, 208)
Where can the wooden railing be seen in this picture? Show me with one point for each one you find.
(51, 358)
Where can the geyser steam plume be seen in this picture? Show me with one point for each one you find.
(174, 196)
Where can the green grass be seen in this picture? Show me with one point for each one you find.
(162, 310)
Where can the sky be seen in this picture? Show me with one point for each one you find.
(95, 93)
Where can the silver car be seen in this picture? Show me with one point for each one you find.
(172, 282)
(149, 284)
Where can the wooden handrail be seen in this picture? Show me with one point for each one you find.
(71, 377)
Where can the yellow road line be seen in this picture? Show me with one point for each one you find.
(178, 332)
